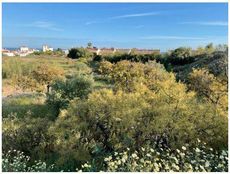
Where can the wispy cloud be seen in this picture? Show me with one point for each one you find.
(171, 38)
(134, 15)
(44, 25)
(208, 23)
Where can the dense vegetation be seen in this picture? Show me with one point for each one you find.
(166, 112)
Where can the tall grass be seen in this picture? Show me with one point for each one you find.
(14, 67)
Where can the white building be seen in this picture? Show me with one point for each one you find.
(46, 48)
(24, 49)
(66, 52)
(10, 54)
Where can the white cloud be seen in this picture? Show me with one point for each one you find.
(210, 23)
(44, 25)
(135, 15)
(122, 17)
(171, 38)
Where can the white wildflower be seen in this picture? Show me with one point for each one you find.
(207, 164)
(134, 155)
(151, 150)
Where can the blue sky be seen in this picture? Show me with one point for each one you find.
(122, 25)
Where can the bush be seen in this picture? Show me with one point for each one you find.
(45, 74)
(27, 75)
(147, 103)
(130, 57)
(210, 88)
(76, 53)
(37, 53)
(82, 68)
(181, 56)
(27, 134)
(187, 159)
(63, 91)
(16, 161)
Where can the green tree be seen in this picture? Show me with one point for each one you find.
(181, 55)
(76, 53)
(89, 45)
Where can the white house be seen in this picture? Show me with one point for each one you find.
(10, 54)
(24, 49)
(66, 52)
(46, 48)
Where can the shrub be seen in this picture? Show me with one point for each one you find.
(82, 68)
(210, 88)
(25, 134)
(187, 159)
(45, 74)
(16, 161)
(76, 53)
(147, 102)
(63, 91)
(181, 56)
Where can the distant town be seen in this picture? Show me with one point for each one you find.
(25, 51)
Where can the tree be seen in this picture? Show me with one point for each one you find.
(76, 53)
(181, 55)
(59, 49)
(89, 45)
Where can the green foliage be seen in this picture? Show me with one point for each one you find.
(63, 91)
(30, 76)
(89, 45)
(26, 104)
(37, 52)
(148, 103)
(82, 68)
(59, 52)
(210, 88)
(181, 56)
(44, 74)
(102, 125)
(14, 67)
(28, 135)
(76, 53)
(186, 159)
(129, 76)
(209, 48)
(130, 57)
